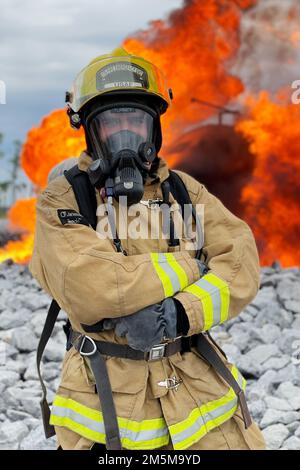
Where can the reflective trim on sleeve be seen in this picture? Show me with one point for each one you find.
(214, 295)
(170, 272)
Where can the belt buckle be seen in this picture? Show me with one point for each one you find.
(157, 352)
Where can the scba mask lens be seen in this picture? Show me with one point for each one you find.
(122, 128)
(123, 143)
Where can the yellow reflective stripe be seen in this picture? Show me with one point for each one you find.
(135, 426)
(101, 438)
(214, 296)
(88, 422)
(224, 292)
(204, 429)
(78, 428)
(164, 278)
(207, 304)
(171, 274)
(203, 413)
(182, 276)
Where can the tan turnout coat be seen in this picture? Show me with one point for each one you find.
(91, 281)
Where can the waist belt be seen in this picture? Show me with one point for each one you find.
(95, 350)
(86, 346)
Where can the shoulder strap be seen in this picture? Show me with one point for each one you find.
(84, 193)
(178, 189)
(181, 194)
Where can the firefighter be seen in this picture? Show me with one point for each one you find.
(141, 370)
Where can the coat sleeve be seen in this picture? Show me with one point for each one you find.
(234, 271)
(87, 277)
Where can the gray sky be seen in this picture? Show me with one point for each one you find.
(44, 44)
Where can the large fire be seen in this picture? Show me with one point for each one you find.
(271, 196)
(251, 163)
(46, 145)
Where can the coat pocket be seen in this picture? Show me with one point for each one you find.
(125, 375)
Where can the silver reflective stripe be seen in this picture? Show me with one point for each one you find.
(163, 262)
(215, 297)
(202, 420)
(98, 426)
(208, 416)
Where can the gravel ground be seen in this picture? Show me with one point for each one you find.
(263, 341)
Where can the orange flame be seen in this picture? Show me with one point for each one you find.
(53, 141)
(50, 143)
(195, 47)
(271, 197)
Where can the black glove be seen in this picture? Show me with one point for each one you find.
(147, 327)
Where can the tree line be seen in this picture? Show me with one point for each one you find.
(11, 183)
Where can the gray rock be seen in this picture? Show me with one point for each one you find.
(292, 427)
(289, 373)
(32, 423)
(292, 443)
(279, 416)
(277, 403)
(275, 363)
(16, 366)
(17, 415)
(264, 297)
(4, 284)
(257, 409)
(8, 377)
(31, 371)
(12, 432)
(260, 354)
(288, 290)
(297, 432)
(32, 406)
(36, 441)
(242, 340)
(54, 351)
(287, 339)
(288, 391)
(292, 305)
(296, 322)
(35, 301)
(51, 370)
(10, 319)
(15, 397)
(267, 334)
(251, 310)
(7, 351)
(266, 381)
(271, 417)
(245, 317)
(295, 402)
(275, 435)
(246, 366)
(24, 339)
(267, 271)
(6, 445)
(232, 352)
(274, 314)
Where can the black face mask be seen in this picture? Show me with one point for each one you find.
(121, 140)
